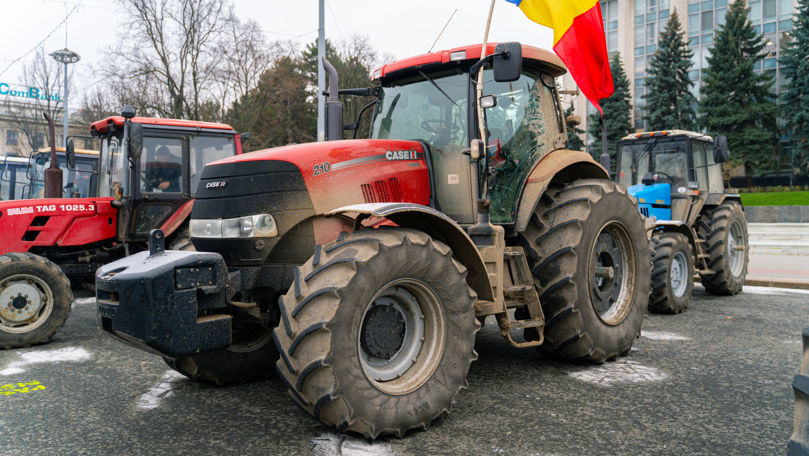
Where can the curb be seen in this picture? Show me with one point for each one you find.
(800, 284)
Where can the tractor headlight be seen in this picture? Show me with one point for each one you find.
(249, 226)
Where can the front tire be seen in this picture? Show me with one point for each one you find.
(377, 332)
(724, 230)
(589, 254)
(35, 299)
(672, 273)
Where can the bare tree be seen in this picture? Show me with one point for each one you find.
(43, 78)
(167, 59)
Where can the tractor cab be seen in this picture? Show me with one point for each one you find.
(77, 182)
(431, 99)
(668, 170)
(14, 181)
(151, 167)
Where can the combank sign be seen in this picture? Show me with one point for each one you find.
(6, 90)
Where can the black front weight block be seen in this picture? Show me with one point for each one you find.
(165, 302)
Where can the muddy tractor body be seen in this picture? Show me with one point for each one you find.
(361, 270)
(699, 229)
(48, 245)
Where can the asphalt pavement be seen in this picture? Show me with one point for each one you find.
(713, 380)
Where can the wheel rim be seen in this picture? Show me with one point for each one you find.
(679, 274)
(402, 336)
(26, 302)
(612, 273)
(736, 248)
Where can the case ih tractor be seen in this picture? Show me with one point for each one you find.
(371, 264)
(677, 178)
(146, 174)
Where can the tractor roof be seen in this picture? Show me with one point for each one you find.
(102, 125)
(471, 52)
(650, 134)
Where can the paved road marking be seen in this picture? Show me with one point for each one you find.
(45, 356)
(21, 388)
(623, 371)
(345, 445)
(160, 391)
(662, 335)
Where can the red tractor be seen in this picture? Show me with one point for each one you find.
(146, 175)
(371, 264)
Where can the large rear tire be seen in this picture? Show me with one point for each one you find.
(35, 299)
(799, 440)
(672, 273)
(377, 332)
(589, 254)
(724, 230)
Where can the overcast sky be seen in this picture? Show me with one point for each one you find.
(398, 28)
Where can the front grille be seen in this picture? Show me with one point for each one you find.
(644, 211)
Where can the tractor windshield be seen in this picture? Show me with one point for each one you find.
(665, 159)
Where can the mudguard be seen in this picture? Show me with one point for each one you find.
(438, 226)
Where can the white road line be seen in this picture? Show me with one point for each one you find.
(160, 391)
(45, 356)
(662, 335)
(344, 445)
(623, 371)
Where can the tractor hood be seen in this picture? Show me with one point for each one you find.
(296, 183)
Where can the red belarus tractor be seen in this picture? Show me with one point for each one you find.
(146, 174)
(371, 264)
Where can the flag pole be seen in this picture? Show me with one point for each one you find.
(605, 156)
(479, 91)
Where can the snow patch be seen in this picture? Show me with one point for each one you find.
(84, 301)
(161, 391)
(45, 356)
(343, 445)
(623, 371)
(662, 335)
(772, 291)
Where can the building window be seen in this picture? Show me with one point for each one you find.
(651, 33)
(39, 140)
(707, 38)
(707, 21)
(721, 3)
(707, 5)
(720, 16)
(639, 31)
(693, 7)
(785, 25)
(769, 9)
(769, 64)
(693, 24)
(11, 137)
(769, 27)
(755, 12)
(785, 10)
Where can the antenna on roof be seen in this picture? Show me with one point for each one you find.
(442, 30)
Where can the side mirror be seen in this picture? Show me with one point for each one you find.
(721, 153)
(135, 140)
(488, 101)
(573, 121)
(507, 62)
(244, 137)
(70, 154)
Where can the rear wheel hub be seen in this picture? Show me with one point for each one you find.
(24, 300)
(383, 330)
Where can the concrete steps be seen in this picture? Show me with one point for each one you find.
(779, 238)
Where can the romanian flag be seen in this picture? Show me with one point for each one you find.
(578, 39)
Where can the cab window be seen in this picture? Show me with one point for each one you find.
(206, 149)
(161, 169)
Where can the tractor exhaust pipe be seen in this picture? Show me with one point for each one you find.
(334, 109)
(53, 174)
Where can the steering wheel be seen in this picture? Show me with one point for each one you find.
(450, 128)
(668, 177)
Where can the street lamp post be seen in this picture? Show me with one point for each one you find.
(65, 56)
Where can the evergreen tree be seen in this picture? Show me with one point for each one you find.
(617, 112)
(669, 101)
(795, 101)
(737, 101)
(574, 133)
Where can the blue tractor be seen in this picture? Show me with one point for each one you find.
(699, 229)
